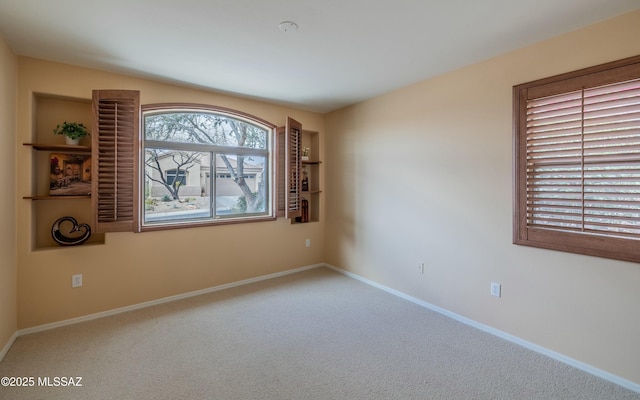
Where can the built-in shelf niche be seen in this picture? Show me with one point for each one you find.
(48, 112)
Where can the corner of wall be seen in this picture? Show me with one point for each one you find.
(8, 237)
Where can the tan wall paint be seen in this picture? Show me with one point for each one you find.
(8, 263)
(580, 306)
(133, 268)
(424, 174)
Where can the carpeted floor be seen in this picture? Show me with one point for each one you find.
(311, 335)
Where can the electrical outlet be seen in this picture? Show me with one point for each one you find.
(496, 289)
(421, 268)
(76, 280)
(308, 242)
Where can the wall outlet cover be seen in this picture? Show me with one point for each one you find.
(76, 280)
(496, 289)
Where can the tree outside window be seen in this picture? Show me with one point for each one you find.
(204, 165)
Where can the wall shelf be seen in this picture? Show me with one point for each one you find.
(311, 170)
(62, 148)
(58, 148)
(50, 110)
(55, 197)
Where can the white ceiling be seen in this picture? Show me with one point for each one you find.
(345, 51)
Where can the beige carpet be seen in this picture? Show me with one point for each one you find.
(312, 335)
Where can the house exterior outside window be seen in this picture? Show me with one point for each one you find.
(183, 144)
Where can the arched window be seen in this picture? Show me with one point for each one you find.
(205, 164)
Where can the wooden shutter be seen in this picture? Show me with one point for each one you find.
(577, 161)
(289, 169)
(583, 160)
(115, 138)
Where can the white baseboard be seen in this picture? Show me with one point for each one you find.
(501, 334)
(138, 306)
(6, 348)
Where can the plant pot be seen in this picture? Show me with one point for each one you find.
(72, 142)
(305, 158)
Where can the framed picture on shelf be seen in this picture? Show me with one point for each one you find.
(70, 175)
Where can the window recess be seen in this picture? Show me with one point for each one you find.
(577, 161)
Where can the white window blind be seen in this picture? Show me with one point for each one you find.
(583, 161)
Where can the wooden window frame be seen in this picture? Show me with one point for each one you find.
(600, 245)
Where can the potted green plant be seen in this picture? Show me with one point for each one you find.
(72, 132)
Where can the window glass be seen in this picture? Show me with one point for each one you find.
(202, 166)
(175, 185)
(204, 128)
(240, 185)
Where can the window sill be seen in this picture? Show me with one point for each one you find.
(199, 224)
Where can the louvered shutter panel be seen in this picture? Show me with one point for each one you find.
(583, 160)
(289, 169)
(282, 171)
(577, 161)
(115, 137)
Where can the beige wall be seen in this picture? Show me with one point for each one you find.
(8, 265)
(441, 148)
(424, 174)
(133, 268)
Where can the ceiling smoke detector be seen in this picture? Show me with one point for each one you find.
(288, 26)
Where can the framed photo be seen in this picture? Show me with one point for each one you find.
(70, 175)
